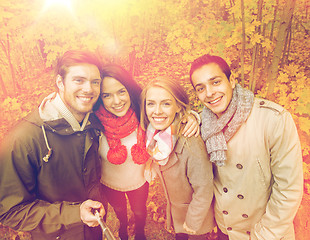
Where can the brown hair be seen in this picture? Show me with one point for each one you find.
(75, 57)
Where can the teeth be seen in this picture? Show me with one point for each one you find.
(159, 119)
(215, 101)
(117, 108)
(85, 99)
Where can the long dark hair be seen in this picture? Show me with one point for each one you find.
(124, 77)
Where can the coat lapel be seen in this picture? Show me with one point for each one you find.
(173, 158)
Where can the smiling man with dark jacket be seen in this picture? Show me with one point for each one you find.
(49, 165)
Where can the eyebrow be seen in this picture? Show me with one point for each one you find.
(209, 80)
(96, 79)
(124, 88)
(164, 100)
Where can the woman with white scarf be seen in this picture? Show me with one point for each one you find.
(181, 163)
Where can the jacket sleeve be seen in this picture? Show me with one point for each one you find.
(287, 182)
(19, 207)
(200, 175)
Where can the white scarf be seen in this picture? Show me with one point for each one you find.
(53, 108)
(160, 144)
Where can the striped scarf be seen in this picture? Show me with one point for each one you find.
(160, 144)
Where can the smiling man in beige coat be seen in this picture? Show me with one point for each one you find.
(256, 152)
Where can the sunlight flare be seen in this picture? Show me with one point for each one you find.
(59, 3)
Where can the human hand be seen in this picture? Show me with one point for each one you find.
(87, 210)
(187, 229)
(192, 127)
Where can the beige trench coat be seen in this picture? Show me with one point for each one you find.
(259, 190)
(187, 179)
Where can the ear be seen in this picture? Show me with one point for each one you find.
(60, 83)
(232, 81)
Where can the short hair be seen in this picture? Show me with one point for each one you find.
(174, 88)
(207, 59)
(124, 77)
(75, 57)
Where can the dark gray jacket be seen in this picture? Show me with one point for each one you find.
(42, 194)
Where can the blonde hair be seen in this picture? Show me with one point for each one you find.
(174, 88)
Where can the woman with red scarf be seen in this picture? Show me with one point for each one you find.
(122, 147)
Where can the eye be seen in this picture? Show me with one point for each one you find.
(78, 80)
(217, 82)
(149, 104)
(97, 82)
(122, 92)
(199, 89)
(105, 95)
(167, 104)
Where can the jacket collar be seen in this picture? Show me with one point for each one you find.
(173, 159)
(55, 116)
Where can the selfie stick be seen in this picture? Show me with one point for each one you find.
(104, 227)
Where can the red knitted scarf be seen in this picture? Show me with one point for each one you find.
(116, 128)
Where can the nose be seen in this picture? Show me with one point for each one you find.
(209, 91)
(87, 87)
(116, 99)
(158, 109)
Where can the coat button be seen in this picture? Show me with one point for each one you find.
(225, 212)
(225, 190)
(84, 170)
(240, 196)
(261, 103)
(245, 216)
(239, 166)
(229, 228)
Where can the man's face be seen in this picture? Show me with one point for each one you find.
(80, 89)
(213, 88)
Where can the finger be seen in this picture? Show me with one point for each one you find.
(190, 131)
(102, 212)
(197, 132)
(185, 130)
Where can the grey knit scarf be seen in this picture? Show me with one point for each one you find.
(216, 132)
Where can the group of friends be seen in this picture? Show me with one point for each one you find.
(102, 139)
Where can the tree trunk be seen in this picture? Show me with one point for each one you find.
(231, 5)
(287, 45)
(284, 24)
(267, 61)
(15, 82)
(243, 43)
(254, 67)
(5, 93)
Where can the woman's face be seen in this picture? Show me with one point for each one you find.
(115, 97)
(161, 107)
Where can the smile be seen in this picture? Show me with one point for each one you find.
(85, 99)
(118, 108)
(159, 119)
(215, 100)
